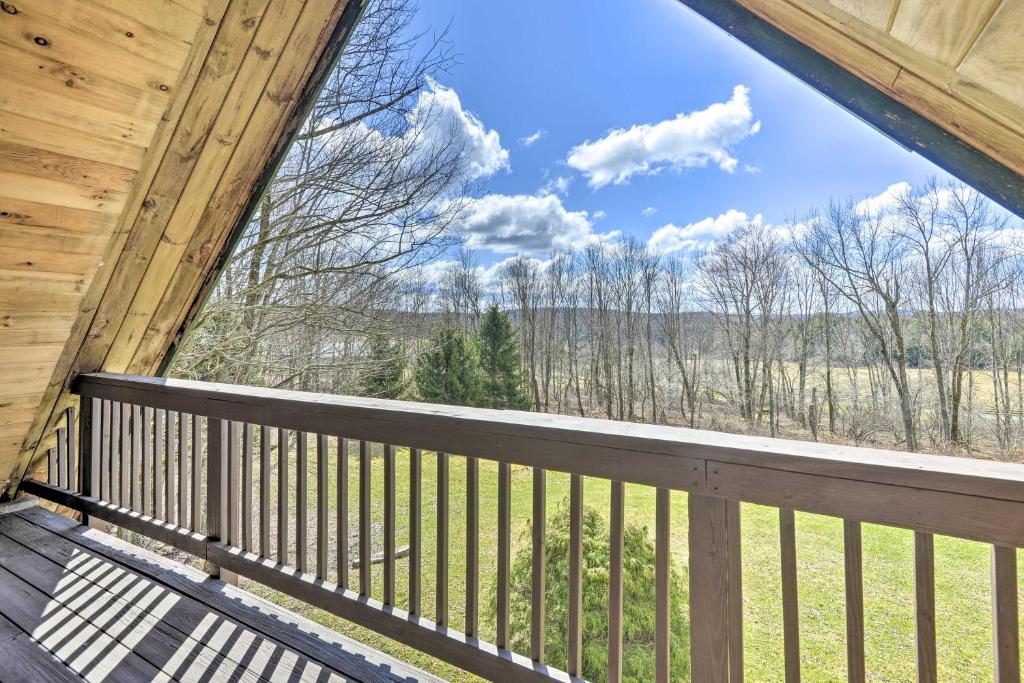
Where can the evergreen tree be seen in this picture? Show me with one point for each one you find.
(449, 372)
(384, 375)
(500, 360)
(638, 600)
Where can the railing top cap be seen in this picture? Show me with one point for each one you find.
(260, 405)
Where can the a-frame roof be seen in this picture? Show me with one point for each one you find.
(945, 78)
(133, 138)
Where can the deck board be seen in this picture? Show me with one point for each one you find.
(77, 603)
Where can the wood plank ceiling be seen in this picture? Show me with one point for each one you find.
(132, 136)
(959, 63)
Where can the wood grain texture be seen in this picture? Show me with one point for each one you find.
(170, 194)
(1005, 615)
(790, 605)
(924, 606)
(854, 581)
(916, 63)
(709, 590)
(996, 58)
(943, 31)
(86, 87)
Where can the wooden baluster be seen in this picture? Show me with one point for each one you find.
(247, 487)
(709, 588)
(365, 483)
(504, 550)
(301, 500)
(472, 546)
(233, 456)
(125, 475)
(234, 482)
(342, 492)
(197, 471)
(389, 524)
(735, 588)
(183, 469)
(537, 597)
(790, 598)
(575, 658)
(89, 438)
(854, 572)
(1005, 619)
(147, 461)
(662, 585)
(103, 462)
(216, 482)
(282, 496)
(616, 535)
(61, 458)
(158, 464)
(51, 467)
(415, 529)
(441, 593)
(322, 509)
(924, 606)
(264, 490)
(72, 469)
(170, 473)
(114, 463)
(136, 467)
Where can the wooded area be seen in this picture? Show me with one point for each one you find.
(891, 322)
(892, 326)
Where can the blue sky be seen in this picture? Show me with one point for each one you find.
(576, 71)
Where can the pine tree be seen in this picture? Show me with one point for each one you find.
(449, 372)
(501, 362)
(384, 375)
(638, 613)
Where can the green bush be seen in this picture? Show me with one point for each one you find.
(638, 600)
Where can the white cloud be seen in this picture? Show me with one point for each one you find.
(672, 238)
(751, 168)
(649, 211)
(439, 115)
(533, 137)
(686, 141)
(884, 200)
(524, 224)
(598, 215)
(559, 185)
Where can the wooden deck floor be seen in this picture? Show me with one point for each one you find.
(76, 603)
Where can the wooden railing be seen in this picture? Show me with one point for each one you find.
(176, 460)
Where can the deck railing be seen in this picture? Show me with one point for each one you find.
(178, 461)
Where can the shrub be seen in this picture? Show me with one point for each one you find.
(638, 600)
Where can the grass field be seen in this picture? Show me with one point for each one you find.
(962, 577)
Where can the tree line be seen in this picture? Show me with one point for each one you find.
(897, 324)
(893, 323)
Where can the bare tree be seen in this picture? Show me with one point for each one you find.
(862, 258)
(361, 198)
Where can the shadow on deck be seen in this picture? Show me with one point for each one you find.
(77, 603)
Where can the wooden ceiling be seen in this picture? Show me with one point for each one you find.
(133, 135)
(959, 63)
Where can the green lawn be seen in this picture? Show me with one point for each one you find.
(962, 576)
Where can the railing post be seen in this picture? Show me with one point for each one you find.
(89, 447)
(709, 590)
(216, 491)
